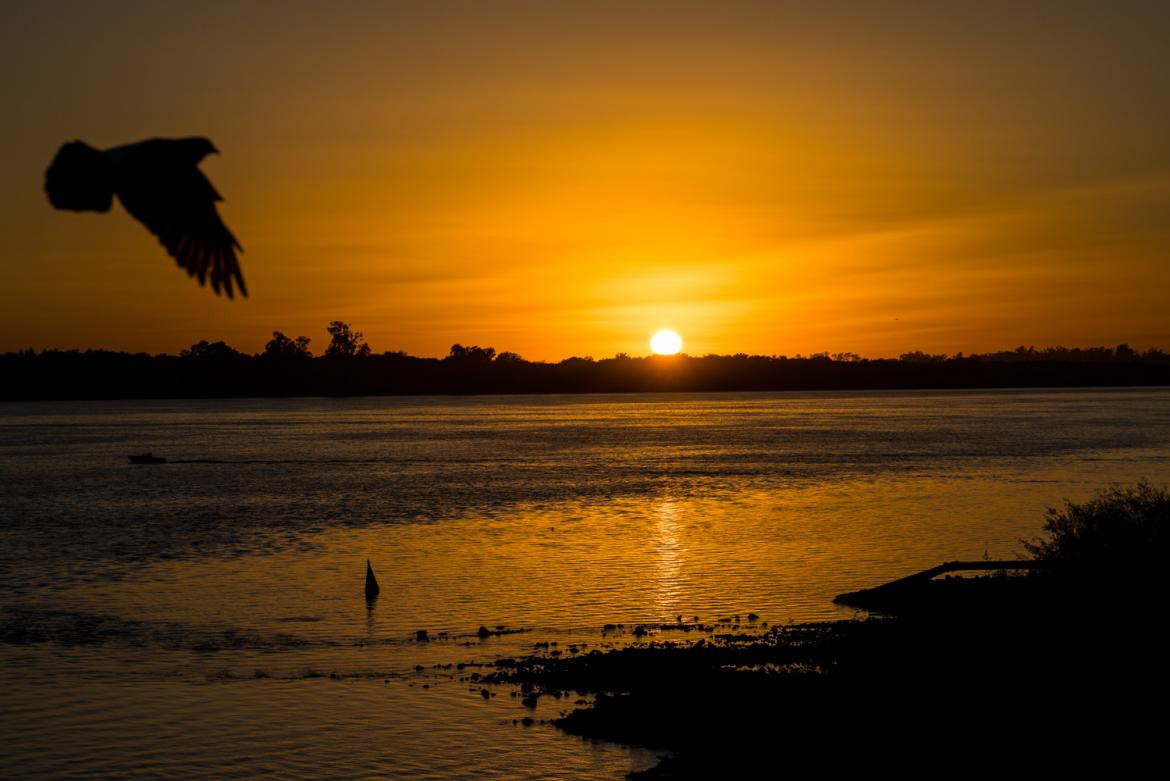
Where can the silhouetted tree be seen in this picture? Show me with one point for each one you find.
(345, 341)
(205, 350)
(281, 347)
(474, 353)
(211, 369)
(920, 357)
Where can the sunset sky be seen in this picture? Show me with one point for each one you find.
(557, 178)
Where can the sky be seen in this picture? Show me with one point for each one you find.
(564, 178)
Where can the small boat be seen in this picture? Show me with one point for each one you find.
(147, 458)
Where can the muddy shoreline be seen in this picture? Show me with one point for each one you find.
(1033, 671)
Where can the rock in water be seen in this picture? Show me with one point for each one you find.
(371, 583)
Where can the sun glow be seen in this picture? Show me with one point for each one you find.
(665, 343)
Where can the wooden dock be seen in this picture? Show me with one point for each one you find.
(910, 587)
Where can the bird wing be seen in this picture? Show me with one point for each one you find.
(176, 203)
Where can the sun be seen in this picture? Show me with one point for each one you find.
(665, 342)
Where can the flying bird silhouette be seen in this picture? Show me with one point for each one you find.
(160, 184)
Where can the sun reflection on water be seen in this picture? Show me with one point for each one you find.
(670, 577)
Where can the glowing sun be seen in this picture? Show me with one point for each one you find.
(666, 343)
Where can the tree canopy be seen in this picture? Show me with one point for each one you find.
(280, 347)
(345, 342)
(286, 367)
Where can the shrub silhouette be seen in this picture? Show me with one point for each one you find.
(1118, 528)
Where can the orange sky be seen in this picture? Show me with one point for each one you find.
(563, 178)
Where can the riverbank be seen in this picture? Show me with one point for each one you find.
(1034, 681)
(215, 370)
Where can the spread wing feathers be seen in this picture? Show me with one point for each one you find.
(177, 204)
(80, 178)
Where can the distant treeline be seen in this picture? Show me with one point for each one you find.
(286, 367)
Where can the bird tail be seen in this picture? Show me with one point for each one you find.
(80, 178)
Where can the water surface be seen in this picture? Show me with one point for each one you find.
(205, 617)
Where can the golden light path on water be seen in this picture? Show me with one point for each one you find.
(669, 578)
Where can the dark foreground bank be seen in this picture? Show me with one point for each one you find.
(1031, 673)
(1061, 669)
